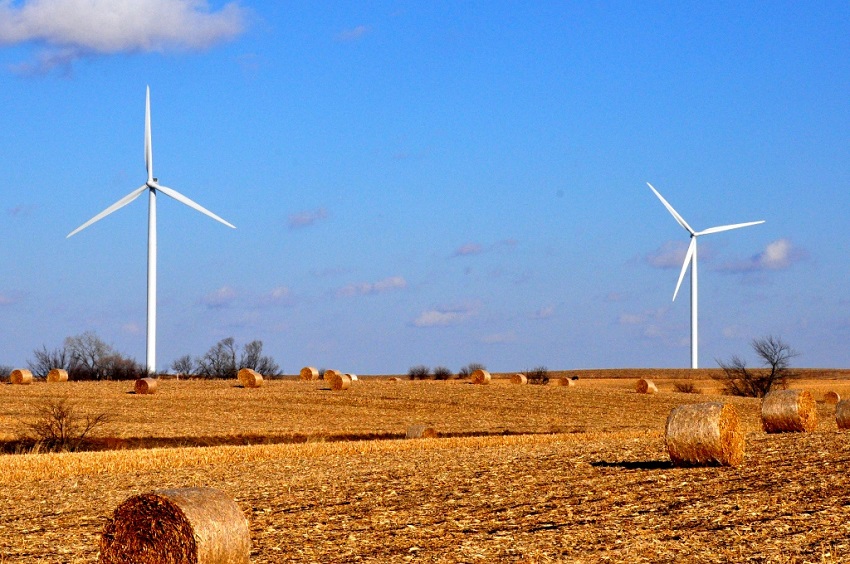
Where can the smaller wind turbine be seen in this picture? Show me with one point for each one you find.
(691, 258)
(152, 186)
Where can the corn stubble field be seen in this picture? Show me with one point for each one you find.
(523, 473)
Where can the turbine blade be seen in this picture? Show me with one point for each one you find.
(673, 212)
(183, 199)
(728, 227)
(116, 206)
(148, 145)
(685, 265)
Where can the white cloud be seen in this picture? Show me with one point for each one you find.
(132, 328)
(281, 295)
(306, 218)
(70, 29)
(441, 317)
(223, 297)
(353, 34)
(778, 255)
(468, 249)
(670, 255)
(379, 287)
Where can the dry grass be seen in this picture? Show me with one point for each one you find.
(601, 489)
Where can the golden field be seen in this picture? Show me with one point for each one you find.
(526, 473)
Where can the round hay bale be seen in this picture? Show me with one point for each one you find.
(394, 379)
(20, 377)
(646, 387)
(250, 378)
(562, 382)
(831, 398)
(57, 375)
(519, 379)
(144, 386)
(704, 434)
(481, 376)
(353, 377)
(191, 525)
(329, 373)
(792, 411)
(842, 414)
(309, 373)
(339, 381)
(421, 432)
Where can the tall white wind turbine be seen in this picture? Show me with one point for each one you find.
(152, 186)
(691, 258)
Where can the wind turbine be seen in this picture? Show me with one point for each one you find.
(691, 258)
(152, 186)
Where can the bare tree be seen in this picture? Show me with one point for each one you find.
(252, 357)
(775, 355)
(220, 360)
(46, 360)
(57, 425)
(183, 366)
(86, 357)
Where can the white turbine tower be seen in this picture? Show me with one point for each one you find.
(691, 258)
(152, 187)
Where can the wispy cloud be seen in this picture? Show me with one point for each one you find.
(670, 255)
(353, 34)
(67, 30)
(280, 295)
(306, 218)
(441, 317)
(471, 248)
(221, 298)
(368, 288)
(778, 255)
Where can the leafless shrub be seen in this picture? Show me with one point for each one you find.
(686, 387)
(57, 426)
(466, 371)
(420, 372)
(539, 375)
(775, 355)
(443, 373)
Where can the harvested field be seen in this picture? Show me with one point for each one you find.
(601, 489)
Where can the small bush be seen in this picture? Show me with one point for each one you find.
(420, 372)
(58, 427)
(466, 371)
(443, 373)
(322, 373)
(539, 375)
(5, 371)
(686, 388)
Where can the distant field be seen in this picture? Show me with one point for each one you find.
(587, 480)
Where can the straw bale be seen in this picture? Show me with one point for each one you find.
(339, 381)
(187, 525)
(250, 378)
(562, 382)
(57, 375)
(519, 379)
(353, 377)
(842, 414)
(394, 379)
(789, 411)
(21, 377)
(309, 373)
(704, 434)
(646, 387)
(329, 373)
(481, 376)
(831, 398)
(421, 432)
(145, 386)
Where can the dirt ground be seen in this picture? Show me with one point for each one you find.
(599, 490)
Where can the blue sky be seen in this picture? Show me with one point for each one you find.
(434, 183)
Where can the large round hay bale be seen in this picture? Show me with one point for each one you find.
(831, 398)
(481, 376)
(353, 377)
(250, 378)
(191, 525)
(792, 411)
(329, 373)
(842, 414)
(20, 377)
(421, 432)
(145, 386)
(519, 379)
(646, 387)
(562, 382)
(309, 373)
(57, 375)
(339, 381)
(704, 434)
